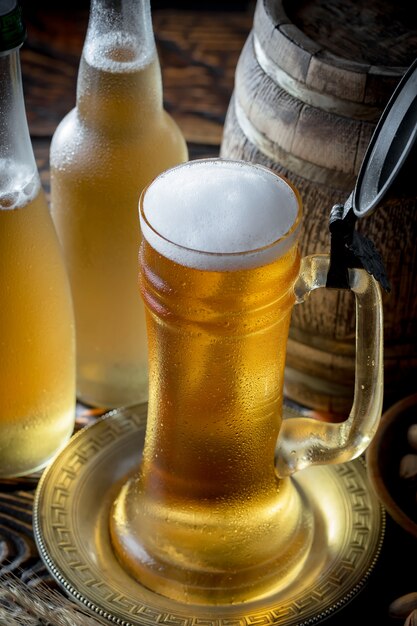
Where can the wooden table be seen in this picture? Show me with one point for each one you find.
(198, 52)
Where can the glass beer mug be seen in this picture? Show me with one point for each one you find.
(213, 515)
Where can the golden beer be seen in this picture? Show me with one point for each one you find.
(37, 360)
(102, 154)
(207, 518)
(212, 515)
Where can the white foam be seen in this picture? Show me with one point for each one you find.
(19, 184)
(220, 214)
(101, 52)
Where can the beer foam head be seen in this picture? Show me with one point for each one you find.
(220, 214)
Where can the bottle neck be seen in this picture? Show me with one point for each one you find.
(124, 18)
(18, 165)
(119, 65)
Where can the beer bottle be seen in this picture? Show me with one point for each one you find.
(112, 144)
(37, 334)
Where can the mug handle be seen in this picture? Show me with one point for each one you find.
(305, 441)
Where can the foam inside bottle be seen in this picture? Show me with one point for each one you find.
(117, 52)
(220, 215)
(19, 184)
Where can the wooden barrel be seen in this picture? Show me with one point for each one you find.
(310, 85)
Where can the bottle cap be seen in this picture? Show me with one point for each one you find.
(12, 28)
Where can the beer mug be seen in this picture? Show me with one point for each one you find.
(213, 515)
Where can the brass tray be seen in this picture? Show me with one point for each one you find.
(70, 523)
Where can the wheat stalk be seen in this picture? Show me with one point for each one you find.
(22, 604)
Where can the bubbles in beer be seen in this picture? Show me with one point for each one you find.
(198, 211)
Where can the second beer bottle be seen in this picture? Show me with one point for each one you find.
(116, 139)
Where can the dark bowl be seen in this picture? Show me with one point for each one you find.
(383, 456)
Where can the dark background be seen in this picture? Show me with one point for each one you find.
(194, 5)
